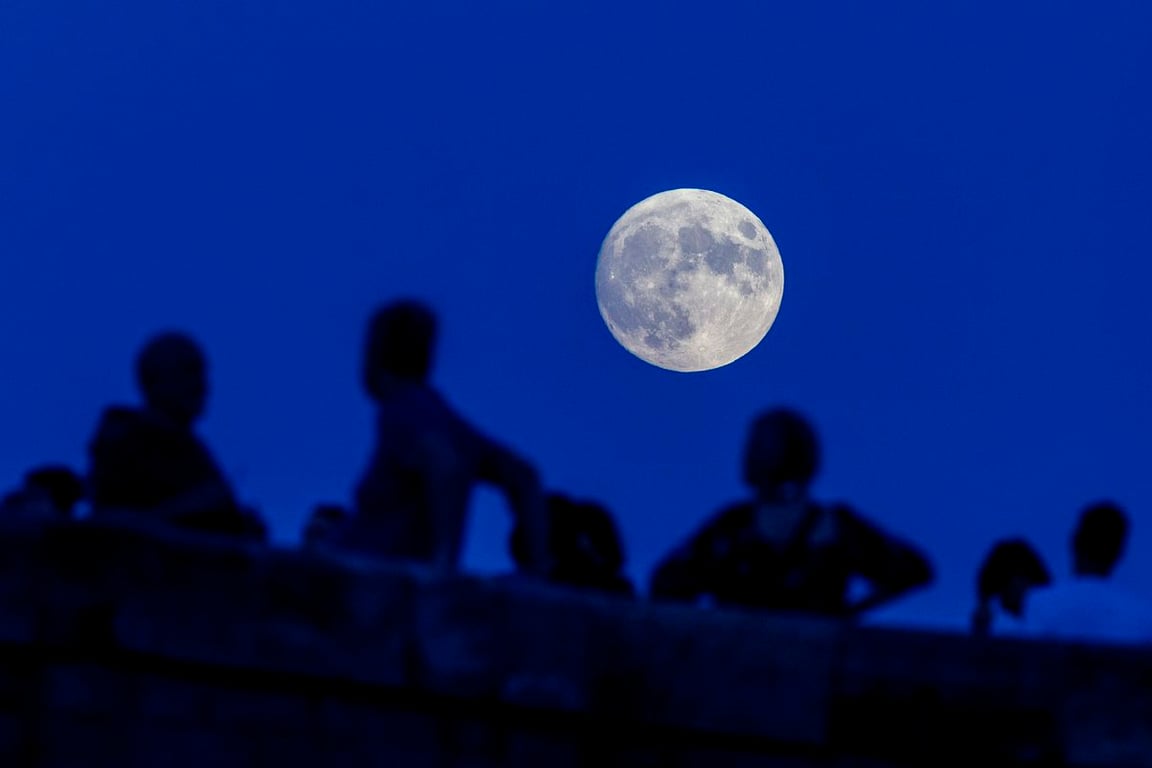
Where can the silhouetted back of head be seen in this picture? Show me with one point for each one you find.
(1011, 565)
(1099, 539)
(782, 449)
(400, 343)
(172, 373)
(582, 535)
(63, 486)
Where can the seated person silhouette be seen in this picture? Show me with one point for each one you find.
(49, 492)
(584, 544)
(1091, 606)
(412, 499)
(782, 551)
(1010, 570)
(148, 465)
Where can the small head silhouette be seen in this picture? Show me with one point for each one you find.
(50, 491)
(172, 373)
(400, 343)
(1009, 571)
(781, 450)
(582, 537)
(1099, 539)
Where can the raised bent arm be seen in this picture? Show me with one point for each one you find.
(520, 484)
(891, 565)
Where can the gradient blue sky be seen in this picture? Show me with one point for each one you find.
(961, 194)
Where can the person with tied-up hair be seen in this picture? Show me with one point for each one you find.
(1011, 569)
(584, 545)
(783, 551)
(412, 500)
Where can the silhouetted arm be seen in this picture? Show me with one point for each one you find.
(982, 619)
(691, 570)
(520, 484)
(891, 565)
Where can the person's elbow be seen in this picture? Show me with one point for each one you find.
(916, 572)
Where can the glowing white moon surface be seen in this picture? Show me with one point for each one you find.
(689, 280)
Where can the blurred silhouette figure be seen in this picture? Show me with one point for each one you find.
(1010, 570)
(584, 544)
(148, 463)
(412, 500)
(323, 525)
(781, 550)
(1090, 606)
(49, 492)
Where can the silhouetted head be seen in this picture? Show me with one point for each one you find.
(59, 483)
(782, 450)
(1008, 572)
(401, 339)
(1099, 539)
(172, 373)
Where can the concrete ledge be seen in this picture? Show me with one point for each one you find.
(191, 634)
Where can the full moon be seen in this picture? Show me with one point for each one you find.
(689, 280)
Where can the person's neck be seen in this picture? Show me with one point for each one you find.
(781, 494)
(388, 384)
(1092, 572)
(166, 419)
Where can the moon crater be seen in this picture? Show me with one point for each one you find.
(689, 280)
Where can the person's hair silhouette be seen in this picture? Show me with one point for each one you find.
(172, 374)
(781, 454)
(584, 543)
(1099, 539)
(412, 500)
(147, 463)
(783, 551)
(1011, 568)
(400, 343)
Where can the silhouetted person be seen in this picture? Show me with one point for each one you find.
(50, 492)
(412, 500)
(1010, 570)
(324, 524)
(584, 544)
(781, 550)
(1090, 606)
(148, 463)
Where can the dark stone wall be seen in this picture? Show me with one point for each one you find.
(129, 648)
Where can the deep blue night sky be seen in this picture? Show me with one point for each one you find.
(961, 194)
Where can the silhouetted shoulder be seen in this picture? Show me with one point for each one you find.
(727, 525)
(697, 567)
(119, 425)
(139, 461)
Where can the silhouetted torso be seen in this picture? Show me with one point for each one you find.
(141, 461)
(426, 461)
(745, 557)
(1089, 609)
